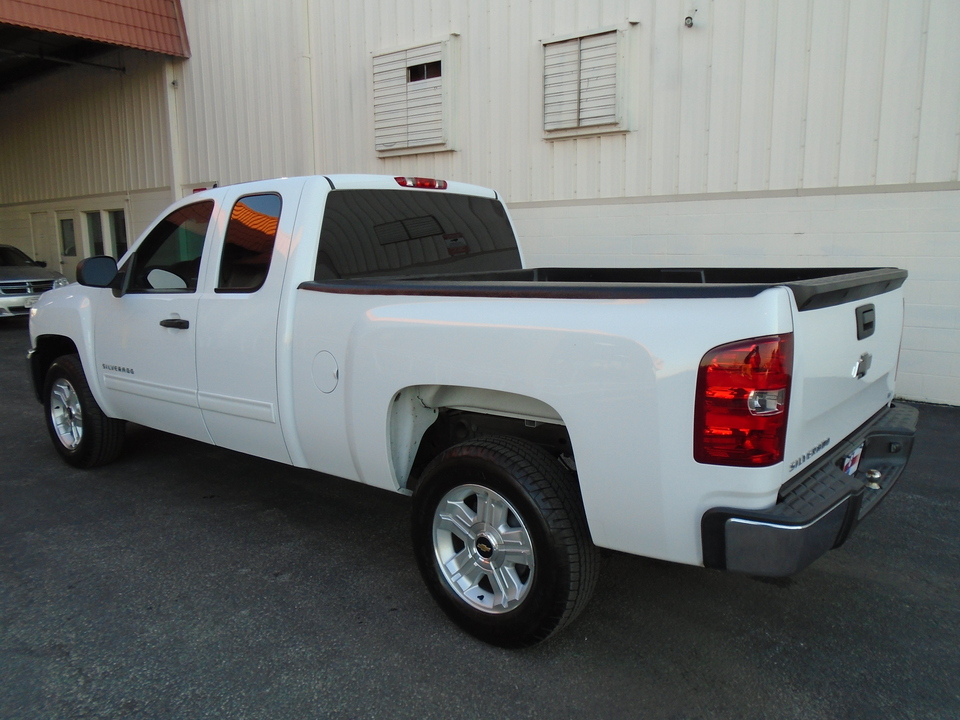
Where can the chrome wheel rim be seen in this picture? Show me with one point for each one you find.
(483, 549)
(66, 414)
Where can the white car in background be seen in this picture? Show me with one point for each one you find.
(23, 280)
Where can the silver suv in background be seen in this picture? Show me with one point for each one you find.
(22, 281)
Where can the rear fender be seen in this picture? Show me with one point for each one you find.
(415, 409)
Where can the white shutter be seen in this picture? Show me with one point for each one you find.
(598, 79)
(580, 82)
(425, 100)
(407, 114)
(390, 100)
(561, 84)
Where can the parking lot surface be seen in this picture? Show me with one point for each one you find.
(185, 581)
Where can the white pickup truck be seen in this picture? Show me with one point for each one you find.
(386, 330)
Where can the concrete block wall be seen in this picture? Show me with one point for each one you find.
(915, 230)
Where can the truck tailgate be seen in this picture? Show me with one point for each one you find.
(847, 342)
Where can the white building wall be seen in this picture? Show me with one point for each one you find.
(756, 95)
(244, 95)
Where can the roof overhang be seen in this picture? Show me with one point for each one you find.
(39, 36)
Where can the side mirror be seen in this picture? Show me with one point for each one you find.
(40, 263)
(98, 271)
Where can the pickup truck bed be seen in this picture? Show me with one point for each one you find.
(811, 287)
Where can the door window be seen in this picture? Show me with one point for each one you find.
(169, 258)
(68, 242)
(248, 243)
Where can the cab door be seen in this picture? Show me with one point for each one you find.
(238, 317)
(146, 338)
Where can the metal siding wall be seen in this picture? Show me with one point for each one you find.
(240, 94)
(726, 63)
(756, 102)
(862, 93)
(827, 62)
(903, 70)
(662, 107)
(937, 156)
(85, 132)
(757, 95)
(695, 104)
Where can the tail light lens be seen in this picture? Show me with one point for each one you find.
(420, 182)
(743, 391)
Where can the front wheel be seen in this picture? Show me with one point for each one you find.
(502, 542)
(81, 433)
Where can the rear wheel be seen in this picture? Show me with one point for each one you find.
(502, 542)
(81, 433)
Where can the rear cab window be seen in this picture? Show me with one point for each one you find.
(410, 233)
(248, 243)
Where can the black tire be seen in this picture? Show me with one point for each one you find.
(531, 506)
(81, 433)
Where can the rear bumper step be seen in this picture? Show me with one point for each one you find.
(817, 511)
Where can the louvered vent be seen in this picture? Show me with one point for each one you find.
(408, 98)
(580, 82)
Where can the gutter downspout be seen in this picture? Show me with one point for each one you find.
(171, 76)
(307, 111)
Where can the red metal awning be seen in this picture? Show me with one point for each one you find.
(153, 25)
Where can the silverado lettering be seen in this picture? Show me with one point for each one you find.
(809, 454)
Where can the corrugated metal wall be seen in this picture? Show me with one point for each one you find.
(756, 95)
(86, 132)
(242, 106)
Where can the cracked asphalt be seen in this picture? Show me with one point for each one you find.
(185, 581)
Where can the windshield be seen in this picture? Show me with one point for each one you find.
(11, 257)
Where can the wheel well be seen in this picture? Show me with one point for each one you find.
(454, 426)
(48, 349)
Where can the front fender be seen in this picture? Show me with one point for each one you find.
(61, 323)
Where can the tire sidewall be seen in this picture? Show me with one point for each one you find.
(64, 368)
(517, 627)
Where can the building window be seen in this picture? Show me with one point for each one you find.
(410, 106)
(426, 71)
(118, 227)
(95, 232)
(580, 82)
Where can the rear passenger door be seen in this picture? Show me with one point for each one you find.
(237, 319)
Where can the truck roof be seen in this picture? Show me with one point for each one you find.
(389, 182)
(358, 181)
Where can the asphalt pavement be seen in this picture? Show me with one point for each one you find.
(185, 581)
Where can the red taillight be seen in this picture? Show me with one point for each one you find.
(743, 390)
(419, 182)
